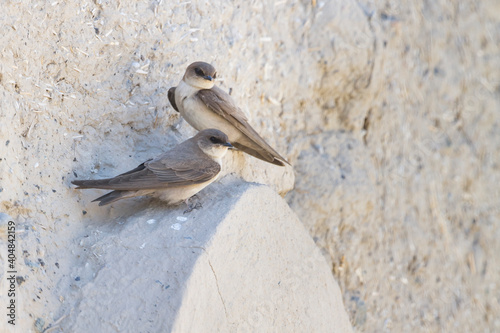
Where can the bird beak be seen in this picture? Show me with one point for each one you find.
(208, 77)
(228, 145)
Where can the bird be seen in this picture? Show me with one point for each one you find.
(174, 176)
(204, 105)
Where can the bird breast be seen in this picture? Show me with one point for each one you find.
(198, 115)
(175, 195)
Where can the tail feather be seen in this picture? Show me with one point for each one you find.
(106, 183)
(96, 183)
(113, 196)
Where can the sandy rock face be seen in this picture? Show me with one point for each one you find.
(387, 112)
(83, 89)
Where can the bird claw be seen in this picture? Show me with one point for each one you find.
(192, 206)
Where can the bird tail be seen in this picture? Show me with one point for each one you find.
(95, 183)
(114, 196)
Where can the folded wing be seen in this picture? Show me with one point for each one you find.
(222, 104)
(159, 173)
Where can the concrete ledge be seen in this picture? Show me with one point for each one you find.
(242, 263)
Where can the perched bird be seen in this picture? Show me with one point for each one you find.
(205, 105)
(173, 176)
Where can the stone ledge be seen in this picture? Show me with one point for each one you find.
(242, 263)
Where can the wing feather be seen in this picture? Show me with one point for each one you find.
(222, 104)
(171, 98)
(159, 174)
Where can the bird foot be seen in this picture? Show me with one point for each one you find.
(192, 206)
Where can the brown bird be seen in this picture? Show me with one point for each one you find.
(205, 105)
(173, 176)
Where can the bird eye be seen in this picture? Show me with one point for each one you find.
(198, 72)
(213, 139)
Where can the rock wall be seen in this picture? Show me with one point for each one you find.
(388, 113)
(242, 263)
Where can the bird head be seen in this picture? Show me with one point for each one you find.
(213, 142)
(200, 75)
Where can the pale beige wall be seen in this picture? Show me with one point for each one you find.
(388, 112)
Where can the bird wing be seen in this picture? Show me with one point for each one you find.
(160, 173)
(222, 104)
(171, 98)
(184, 171)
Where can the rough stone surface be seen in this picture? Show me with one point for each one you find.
(242, 263)
(408, 213)
(387, 110)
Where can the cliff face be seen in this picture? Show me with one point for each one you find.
(388, 113)
(409, 212)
